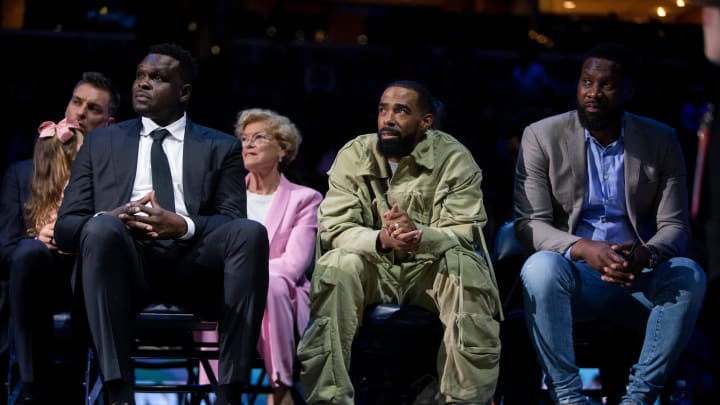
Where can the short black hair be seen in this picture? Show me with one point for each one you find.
(188, 64)
(102, 82)
(615, 52)
(424, 97)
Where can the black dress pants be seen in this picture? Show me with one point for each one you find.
(39, 287)
(222, 273)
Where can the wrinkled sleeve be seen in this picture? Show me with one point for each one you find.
(346, 215)
(298, 252)
(78, 204)
(671, 216)
(459, 213)
(534, 212)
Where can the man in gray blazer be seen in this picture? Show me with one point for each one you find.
(601, 197)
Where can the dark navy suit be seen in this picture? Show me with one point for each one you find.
(222, 270)
(39, 278)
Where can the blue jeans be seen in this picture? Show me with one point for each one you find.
(558, 292)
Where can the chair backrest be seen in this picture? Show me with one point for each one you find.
(507, 245)
(508, 257)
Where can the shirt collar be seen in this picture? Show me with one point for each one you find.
(374, 162)
(424, 151)
(176, 129)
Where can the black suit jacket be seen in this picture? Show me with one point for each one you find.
(15, 192)
(13, 196)
(104, 172)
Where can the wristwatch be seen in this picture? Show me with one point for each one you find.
(654, 257)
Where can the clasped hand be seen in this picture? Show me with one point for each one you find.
(400, 232)
(612, 260)
(46, 234)
(150, 222)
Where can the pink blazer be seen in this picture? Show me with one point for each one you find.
(292, 227)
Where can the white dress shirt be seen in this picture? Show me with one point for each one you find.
(173, 148)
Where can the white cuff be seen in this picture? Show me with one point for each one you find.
(190, 228)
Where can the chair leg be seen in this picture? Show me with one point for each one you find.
(93, 380)
(14, 382)
(253, 395)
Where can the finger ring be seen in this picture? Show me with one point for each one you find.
(396, 226)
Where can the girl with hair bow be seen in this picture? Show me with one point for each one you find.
(54, 153)
(39, 258)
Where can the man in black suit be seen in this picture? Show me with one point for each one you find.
(34, 266)
(178, 234)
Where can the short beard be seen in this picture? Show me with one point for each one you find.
(599, 120)
(396, 147)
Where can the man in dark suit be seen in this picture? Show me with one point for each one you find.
(34, 265)
(162, 218)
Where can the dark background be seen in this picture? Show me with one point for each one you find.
(495, 71)
(324, 63)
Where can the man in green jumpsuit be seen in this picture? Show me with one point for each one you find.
(402, 223)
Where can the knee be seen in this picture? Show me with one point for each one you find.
(30, 258)
(278, 288)
(691, 276)
(31, 251)
(102, 228)
(541, 270)
(250, 234)
(338, 266)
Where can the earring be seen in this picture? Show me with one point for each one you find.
(279, 159)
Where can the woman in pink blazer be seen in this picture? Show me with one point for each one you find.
(270, 142)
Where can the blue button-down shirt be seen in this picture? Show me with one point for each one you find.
(604, 213)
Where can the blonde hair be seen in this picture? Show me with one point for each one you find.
(279, 126)
(52, 161)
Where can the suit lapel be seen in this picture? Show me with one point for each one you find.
(194, 151)
(124, 154)
(278, 207)
(575, 149)
(634, 150)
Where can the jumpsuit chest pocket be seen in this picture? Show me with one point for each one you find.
(412, 202)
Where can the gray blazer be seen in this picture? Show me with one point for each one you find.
(551, 176)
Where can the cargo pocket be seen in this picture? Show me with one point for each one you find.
(316, 366)
(473, 356)
(470, 305)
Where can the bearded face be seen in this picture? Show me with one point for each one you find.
(601, 94)
(597, 116)
(393, 143)
(401, 122)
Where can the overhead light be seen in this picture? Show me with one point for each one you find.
(661, 12)
(680, 3)
(569, 4)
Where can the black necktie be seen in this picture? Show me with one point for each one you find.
(161, 177)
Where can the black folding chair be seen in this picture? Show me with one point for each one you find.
(163, 339)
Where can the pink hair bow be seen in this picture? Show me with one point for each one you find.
(63, 129)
